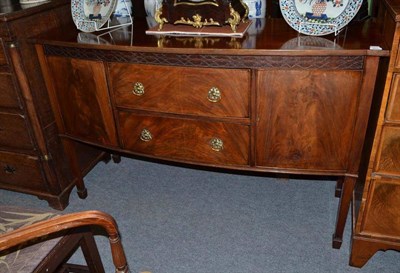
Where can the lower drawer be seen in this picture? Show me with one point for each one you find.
(14, 132)
(382, 214)
(19, 171)
(185, 139)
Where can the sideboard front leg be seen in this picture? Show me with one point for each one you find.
(343, 209)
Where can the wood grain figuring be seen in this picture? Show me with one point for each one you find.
(182, 90)
(12, 125)
(82, 94)
(393, 111)
(306, 118)
(382, 213)
(2, 54)
(16, 169)
(389, 157)
(186, 139)
(8, 94)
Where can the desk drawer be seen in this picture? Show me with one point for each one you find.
(8, 94)
(14, 132)
(184, 139)
(182, 90)
(20, 171)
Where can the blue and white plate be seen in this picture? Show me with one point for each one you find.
(91, 15)
(319, 17)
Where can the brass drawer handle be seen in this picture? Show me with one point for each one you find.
(145, 135)
(9, 169)
(138, 88)
(214, 94)
(216, 144)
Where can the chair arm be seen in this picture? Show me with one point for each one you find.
(66, 222)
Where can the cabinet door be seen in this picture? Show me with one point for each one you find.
(83, 100)
(306, 118)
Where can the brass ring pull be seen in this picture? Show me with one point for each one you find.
(214, 94)
(216, 144)
(145, 135)
(138, 88)
(9, 169)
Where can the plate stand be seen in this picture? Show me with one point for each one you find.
(110, 24)
(334, 26)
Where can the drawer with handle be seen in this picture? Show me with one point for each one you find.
(185, 139)
(18, 171)
(181, 90)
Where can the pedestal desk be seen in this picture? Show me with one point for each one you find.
(272, 101)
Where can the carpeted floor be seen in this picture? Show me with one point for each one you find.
(182, 220)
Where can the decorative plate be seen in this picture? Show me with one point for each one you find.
(319, 17)
(91, 15)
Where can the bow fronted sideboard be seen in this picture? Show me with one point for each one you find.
(273, 101)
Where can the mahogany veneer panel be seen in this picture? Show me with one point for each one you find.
(13, 125)
(182, 90)
(186, 139)
(306, 118)
(82, 93)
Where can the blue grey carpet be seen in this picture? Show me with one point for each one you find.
(182, 220)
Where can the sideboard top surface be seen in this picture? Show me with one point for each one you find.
(275, 38)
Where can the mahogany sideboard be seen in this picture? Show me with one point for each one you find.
(280, 103)
(377, 209)
(32, 160)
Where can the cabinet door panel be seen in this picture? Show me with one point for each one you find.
(306, 118)
(186, 139)
(82, 95)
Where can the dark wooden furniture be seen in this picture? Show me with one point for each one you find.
(31, 156)
(53, 239)
(377, 209)
(280, 107)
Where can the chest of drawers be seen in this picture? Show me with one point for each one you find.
(32, 160)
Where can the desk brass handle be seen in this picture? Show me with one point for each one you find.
(9, 169)
(216, 144)
(145, 135)
(138, 88)
(214, 94)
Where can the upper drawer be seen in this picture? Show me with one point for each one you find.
(393, 110)
(185, 139)
(182, 90)
(8, 94)
(14, 132)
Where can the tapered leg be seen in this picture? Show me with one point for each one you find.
(70, 150)
(343, 209)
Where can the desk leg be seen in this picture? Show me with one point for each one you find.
(70, 150)
(343, 209)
